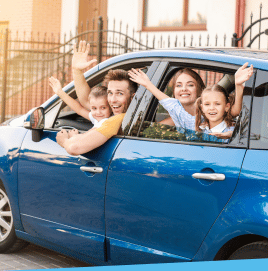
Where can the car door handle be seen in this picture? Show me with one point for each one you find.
(209, 176)
(92, 169)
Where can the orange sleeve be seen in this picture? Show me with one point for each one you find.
(111, 126)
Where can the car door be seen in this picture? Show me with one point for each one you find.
(60, 201)
(158, 207)
(253, 185)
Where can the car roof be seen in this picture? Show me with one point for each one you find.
(231, 55)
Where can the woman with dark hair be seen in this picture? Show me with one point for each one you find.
(187, 87)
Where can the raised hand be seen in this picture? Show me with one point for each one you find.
(55, 84)
(243, 74)
(80, 56)
(139, 77)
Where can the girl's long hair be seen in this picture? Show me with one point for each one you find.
(228, 118)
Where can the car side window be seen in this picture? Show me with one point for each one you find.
(259, 122)
(68, 119)
(152, 125)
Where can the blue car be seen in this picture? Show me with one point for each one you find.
(153, 194)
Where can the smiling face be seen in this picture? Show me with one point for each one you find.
(214, 107)
(119, 96)
(99, 107)
(185, 89)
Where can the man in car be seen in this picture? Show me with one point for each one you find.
(120, 91)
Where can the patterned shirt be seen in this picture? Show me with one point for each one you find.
(220, 128)
(181, 118)
(185, 123)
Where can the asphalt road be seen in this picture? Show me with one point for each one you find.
(35, 257)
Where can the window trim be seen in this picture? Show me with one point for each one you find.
(209, 144)
(196, 64)
(256, 84)
(93, 79)
(185, 25)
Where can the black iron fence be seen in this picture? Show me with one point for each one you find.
(26, 61)
(249, 32)
(26, 64)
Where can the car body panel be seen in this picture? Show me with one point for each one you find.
(152, 200)
(246, 212)
(10, 143)
(64, 203)
(60, 249)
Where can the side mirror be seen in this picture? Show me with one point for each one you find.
(35, 121)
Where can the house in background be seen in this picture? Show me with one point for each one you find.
(49, 16)
(31, 15)
(42, 33)
(192, 19)
(189, 22)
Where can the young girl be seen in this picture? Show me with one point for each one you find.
(180, 117)
(214, 108)
(98, 104)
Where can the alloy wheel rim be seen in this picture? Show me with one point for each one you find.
(6, 218)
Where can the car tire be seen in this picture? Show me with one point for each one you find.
(8, 239)
(256, 250)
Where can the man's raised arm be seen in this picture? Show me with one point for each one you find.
(79, 63)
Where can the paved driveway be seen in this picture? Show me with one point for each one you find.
(34, 257)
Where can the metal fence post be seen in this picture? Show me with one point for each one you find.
(126, 45)
(4, 89)
(63, 79)
(234, 40)
(99, 41)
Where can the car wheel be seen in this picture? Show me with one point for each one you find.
(255, 250)
(8, 240)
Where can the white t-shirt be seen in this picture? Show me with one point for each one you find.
(220, 128)
(96, 123)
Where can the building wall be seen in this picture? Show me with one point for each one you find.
(220, 21)
(62, 16)
(18, 13)
(46, 16)
(32, 16)
(69, 17)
